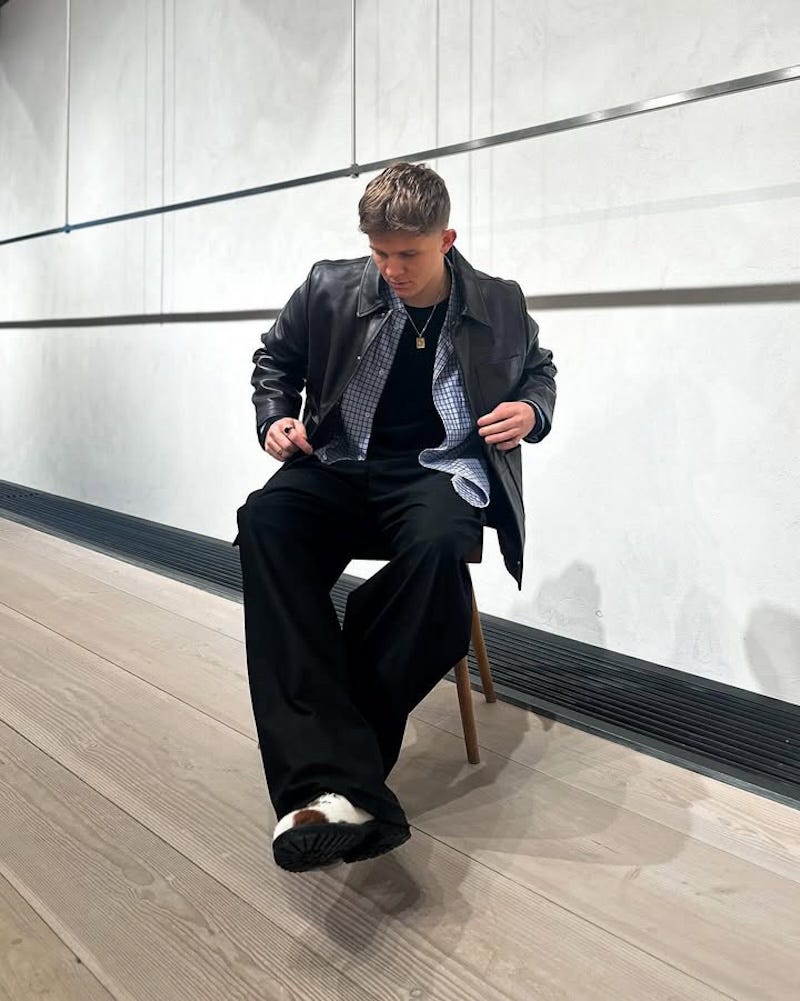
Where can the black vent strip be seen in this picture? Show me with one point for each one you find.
(746, 739)
(670, 696)
(659, 703)
(672, 750)
(185, 556)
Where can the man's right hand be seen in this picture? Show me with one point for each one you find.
(285, 437)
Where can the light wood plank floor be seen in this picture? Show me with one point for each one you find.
(135, 829)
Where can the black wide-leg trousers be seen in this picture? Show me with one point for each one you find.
(331, 702)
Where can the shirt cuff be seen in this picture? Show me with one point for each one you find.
(538, 427)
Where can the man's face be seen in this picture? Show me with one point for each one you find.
(412, 264)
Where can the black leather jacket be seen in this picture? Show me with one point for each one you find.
(323, 331)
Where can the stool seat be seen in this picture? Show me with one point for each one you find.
(374, 551)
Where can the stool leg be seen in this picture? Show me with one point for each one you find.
(479, 646)
(467, 712)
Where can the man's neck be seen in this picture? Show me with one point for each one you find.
(434, 293)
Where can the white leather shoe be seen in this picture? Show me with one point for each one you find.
(320, 834)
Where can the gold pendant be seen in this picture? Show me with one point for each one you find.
(420, 343)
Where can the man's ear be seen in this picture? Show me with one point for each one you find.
(448, 239)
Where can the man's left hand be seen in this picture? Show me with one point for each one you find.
(507, 425)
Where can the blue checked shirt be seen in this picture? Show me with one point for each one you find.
(459, 454)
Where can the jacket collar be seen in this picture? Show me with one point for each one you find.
(370, 298)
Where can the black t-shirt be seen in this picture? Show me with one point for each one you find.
(406, 420)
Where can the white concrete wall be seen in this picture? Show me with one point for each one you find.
(662, 509)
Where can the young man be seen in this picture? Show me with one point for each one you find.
(422, 377)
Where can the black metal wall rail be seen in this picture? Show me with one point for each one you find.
(724, 88)
(715, 729)
(708, 295)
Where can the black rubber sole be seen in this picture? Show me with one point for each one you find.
(314, 846)
(381, 838)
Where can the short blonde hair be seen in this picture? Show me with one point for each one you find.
(404, 196)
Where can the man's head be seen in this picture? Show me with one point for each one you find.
(405, 212)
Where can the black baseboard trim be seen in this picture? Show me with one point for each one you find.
(740, 737)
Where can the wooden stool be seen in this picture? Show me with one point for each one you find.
(463, 683)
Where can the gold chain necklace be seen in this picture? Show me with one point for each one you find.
(421, 333)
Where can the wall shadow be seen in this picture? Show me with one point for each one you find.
(772, 644)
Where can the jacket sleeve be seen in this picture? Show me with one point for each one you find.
(281, 363)
(538, 384)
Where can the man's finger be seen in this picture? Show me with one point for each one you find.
(300, 440)
(278, 444)
(502, 412)
(505, 425)
(494, 439)
(296, 434)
